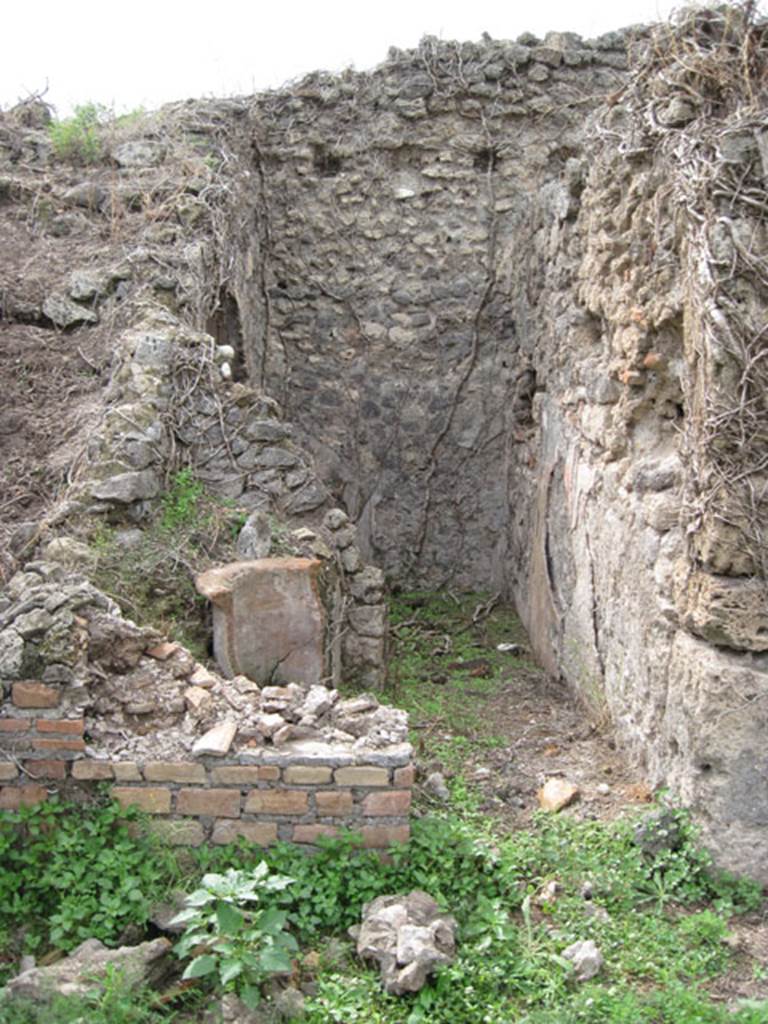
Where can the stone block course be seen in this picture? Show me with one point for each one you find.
(364, 775)
(14, 797)
(221, 803)
(174, 771)
(43, 769)
(90, 770)
(334, 802)
(311, 833)
(391, 804)
(306, 775)
(153, 800)
(245, 775)
(277, 801)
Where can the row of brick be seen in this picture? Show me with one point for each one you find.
(189, 832)
(192, 773)
(61, 735)
(230, 803)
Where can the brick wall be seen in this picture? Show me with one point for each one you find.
(294, 793)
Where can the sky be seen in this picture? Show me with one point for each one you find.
(127, 55)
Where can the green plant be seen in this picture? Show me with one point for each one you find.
(110, 1001)
(241, 942)
(181, 501)
(71, 873)
(79, 139)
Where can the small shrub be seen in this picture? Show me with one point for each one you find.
(80, 138)
(243, 944)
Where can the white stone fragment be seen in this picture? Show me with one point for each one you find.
(216, 741)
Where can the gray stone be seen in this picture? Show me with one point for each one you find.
(127, 487)
(435, 785)
(255, 538)
(139, 153)
(149, 964)
(11, 654)
(409, 937)
(83, 285)
(586, 958)
(63, 312)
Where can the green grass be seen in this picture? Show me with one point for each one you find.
(434, 637)
(662, 923)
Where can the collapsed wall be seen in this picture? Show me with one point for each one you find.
(505, 303)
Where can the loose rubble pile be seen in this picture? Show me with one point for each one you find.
(408, 936)
(68, 645)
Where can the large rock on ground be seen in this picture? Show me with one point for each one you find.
(409, 937)
(148, 964)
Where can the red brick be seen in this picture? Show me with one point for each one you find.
(13, 797)
(335, 801)
(8, 771)
(46, 769)
(92, 770)
(218, 803)
(163, 651)
(277, 801)
(174, 771)
(245, 775)
(377, 837)
(153, 800)
(310, 833)
(14, 724)
(35, 695)
(63, 726)
(63, 744)
(262, 833)
(390, 804)
(404, 777)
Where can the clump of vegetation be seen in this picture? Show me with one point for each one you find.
(80, 139)
(69, 874)
(153, 581)
(231, 936)
(661, 921)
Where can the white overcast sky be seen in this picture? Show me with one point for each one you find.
(144, 53)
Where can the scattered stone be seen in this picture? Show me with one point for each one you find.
(586, 958)
(603, 789)
(64, 313)
(125, 488)
(255, 538)
(197, 699)
(216, 741)
(289, 1004)
(657, 833)
(436, 786)
(163, 651)
(202, 677)
(557, 794)
(148, 964)
(69, 552)
(509, 648)
(139, 153)
(409, 937)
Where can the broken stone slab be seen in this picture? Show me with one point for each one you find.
(216, 741)
(90, 964)
(268, 619)
(409, 937)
